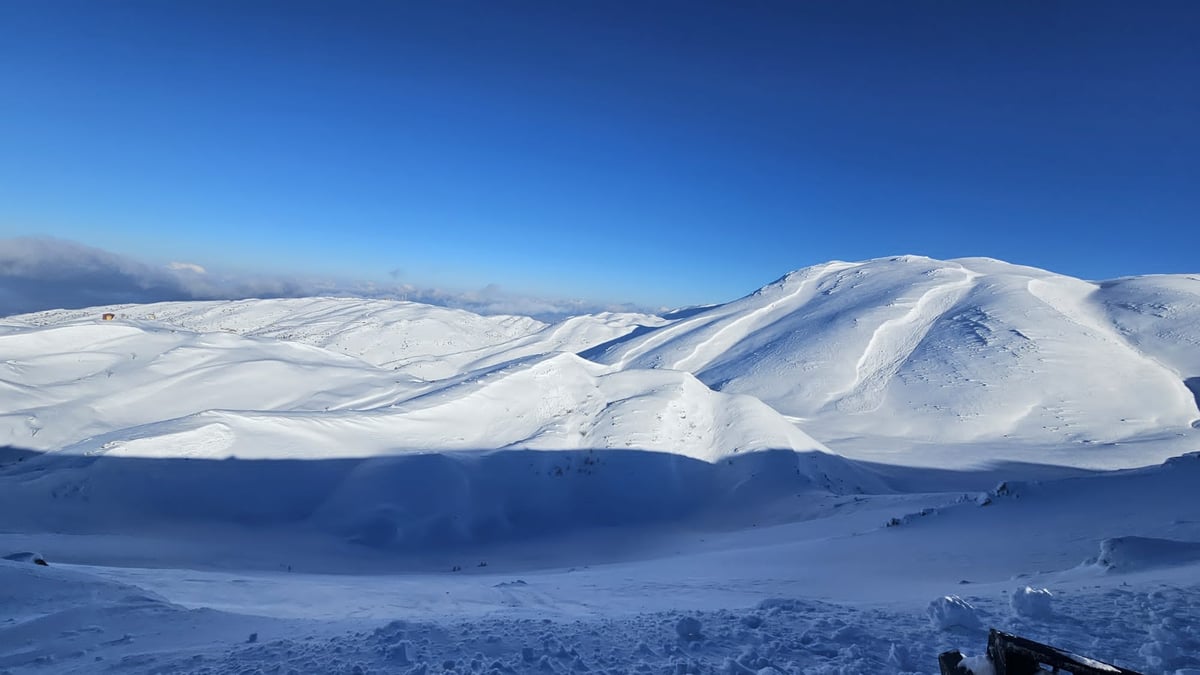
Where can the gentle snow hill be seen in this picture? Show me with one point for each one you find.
(947, 352)
(617, 447)
(63, 383)
(416, 339)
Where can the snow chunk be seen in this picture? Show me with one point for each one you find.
(978, 665)
(1032, 603)
(951, 611)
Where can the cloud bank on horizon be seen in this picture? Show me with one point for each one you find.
(38, 273)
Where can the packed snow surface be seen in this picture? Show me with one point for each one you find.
(848, 471)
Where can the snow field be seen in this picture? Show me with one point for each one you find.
(1145, 629)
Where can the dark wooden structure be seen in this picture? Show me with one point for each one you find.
(1013, 655)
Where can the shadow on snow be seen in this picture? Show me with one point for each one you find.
(409, 502)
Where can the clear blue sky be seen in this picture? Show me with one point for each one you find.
(657, 152)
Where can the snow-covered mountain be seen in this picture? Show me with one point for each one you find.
(646, 487)
(901, 359)
(947, 352)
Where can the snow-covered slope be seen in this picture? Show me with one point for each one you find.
(967, 350)
(119, 380)
(417, 339)
(1160, 315)
(139, 419)
(63, 383)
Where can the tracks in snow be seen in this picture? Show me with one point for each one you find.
(894, 341)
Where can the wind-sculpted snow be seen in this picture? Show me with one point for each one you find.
(1160, 315)
(113, 388)
(947, 352)
(61, 384)
(420, 340)
(148, 425)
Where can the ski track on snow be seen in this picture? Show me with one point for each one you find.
(893, 341)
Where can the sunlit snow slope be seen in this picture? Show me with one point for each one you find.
(931, 351)
(148, 425)
(421, 340)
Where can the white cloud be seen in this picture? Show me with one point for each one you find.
(186, 267)
(39, 273)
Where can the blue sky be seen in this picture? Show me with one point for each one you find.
(663, 153)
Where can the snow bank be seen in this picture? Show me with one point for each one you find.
(1130, 554)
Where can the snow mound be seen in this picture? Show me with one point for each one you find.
(950, 611)
(1130, 554)
(979, 664)
(1032, 603)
